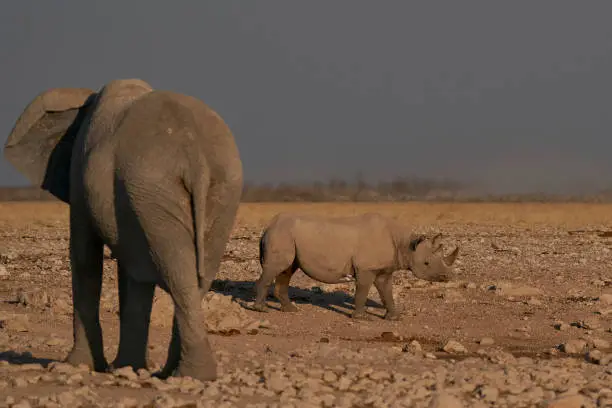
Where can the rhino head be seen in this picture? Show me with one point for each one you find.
(427, 260)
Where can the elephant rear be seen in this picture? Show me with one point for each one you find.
(179, 173)
(155, 175)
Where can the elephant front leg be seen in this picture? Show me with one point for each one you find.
(135, 304)
(364, 283)
(384, 285)
(86, 259)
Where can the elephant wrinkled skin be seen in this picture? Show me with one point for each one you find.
(157, 177)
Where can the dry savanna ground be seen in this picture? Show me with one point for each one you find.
(526, 323)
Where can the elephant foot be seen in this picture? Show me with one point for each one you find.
(124, 362)
(78, 357)
(393, 316)
(163, 373)
(289, 308)
(260, 307)
(360, 315)
(202, 373)
(199, 363)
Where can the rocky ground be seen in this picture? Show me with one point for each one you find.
(526, 323)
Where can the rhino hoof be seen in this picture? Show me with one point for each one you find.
(289, 308)
(392, 316)
(360, 316)
(260, 308)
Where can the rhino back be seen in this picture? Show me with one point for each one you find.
(375, 249)
(328, 248)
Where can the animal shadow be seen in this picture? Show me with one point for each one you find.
(334, 301)
(14, 357)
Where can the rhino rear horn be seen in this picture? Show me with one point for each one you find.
(450, 258)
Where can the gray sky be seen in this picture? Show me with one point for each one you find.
(513, 94)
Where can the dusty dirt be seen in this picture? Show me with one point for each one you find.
(526, 323)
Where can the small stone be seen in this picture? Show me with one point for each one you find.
(74, 379)
(390, 336)
(587, 324)
(127, 402)
(413, 347)
(62, 368)
(380, 375)
(126, 372)
(594, 356)
(277, 383)
(143, 374)
(534, 301)
(600, 344)
(453, 346)
(330, 377)
(328, 400)
(445, 400)
(575, 346)
(486, 341)
(66, 399)
(561, 326)
(19, 382)
(54, 341)
(22, 404)
(344, 383)
(14, 322)
(574, 401)
(486, 393)
(521, 291)
(61, 305)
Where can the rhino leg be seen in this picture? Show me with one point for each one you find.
(364, 283)
(384, 285)
(281, 290)
(261, 288)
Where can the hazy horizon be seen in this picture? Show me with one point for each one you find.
(513, 96)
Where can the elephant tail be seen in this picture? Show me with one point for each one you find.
(215, 201)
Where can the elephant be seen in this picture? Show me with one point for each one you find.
(366, 248)
(154, 175)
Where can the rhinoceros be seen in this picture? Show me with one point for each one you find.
(365, 248)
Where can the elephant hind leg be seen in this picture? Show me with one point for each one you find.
(171, 244)
(189, 353)
(135, 304)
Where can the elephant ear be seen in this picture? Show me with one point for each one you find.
(40, 144)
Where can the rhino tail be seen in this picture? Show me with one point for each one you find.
(262, 247)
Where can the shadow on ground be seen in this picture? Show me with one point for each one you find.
(14, 357)
(334, 301)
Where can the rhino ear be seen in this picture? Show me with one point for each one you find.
(40, 144)
(416, 241)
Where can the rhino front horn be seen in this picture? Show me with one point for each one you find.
(450, 258)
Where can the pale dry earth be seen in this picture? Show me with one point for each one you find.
(526, 323)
